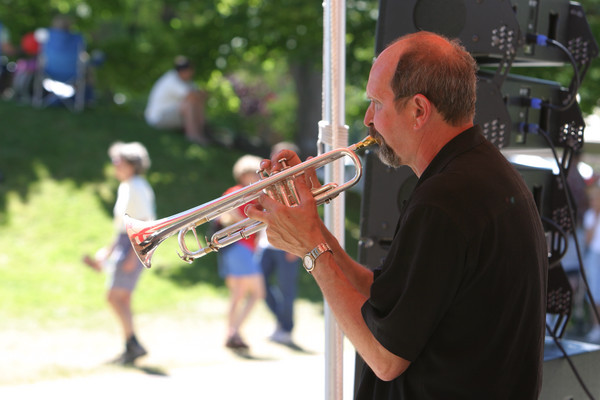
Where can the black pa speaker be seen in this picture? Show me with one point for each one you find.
(484, 27)
(385, 190)
(492, 28)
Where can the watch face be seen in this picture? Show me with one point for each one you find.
(308, 262)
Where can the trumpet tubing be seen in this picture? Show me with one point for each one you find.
(146, 236)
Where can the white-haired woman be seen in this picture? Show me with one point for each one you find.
(135, 198)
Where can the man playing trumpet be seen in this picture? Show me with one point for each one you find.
(457, 310)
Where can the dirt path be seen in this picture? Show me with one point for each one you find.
(187, 359)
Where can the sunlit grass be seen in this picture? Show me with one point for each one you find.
(56, 200)
(56, 203)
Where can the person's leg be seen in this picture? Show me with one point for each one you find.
(228, 260)
(245, 282)
(245, 291)
(268, 264)
(120, 301)
(236, 295)
(287, 278)
(122, 283)
(192, 110)
(252, 290)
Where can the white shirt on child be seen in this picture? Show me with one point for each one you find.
(135, 198)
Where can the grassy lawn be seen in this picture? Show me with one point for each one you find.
(56, 199)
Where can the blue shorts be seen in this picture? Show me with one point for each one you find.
(237, 260)
(117, 278)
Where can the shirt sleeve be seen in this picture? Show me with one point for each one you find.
(120, 208)
(141, 200)
(136, 199)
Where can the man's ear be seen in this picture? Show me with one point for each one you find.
(422, 109)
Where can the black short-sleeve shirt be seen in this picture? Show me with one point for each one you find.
(462, 292)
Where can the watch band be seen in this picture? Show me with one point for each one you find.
(310, 258)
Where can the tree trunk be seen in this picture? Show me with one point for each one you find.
(309, 81)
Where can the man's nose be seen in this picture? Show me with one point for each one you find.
(368, 116)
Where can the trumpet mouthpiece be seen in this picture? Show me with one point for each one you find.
(366, 142)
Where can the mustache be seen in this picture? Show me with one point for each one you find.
(375, 135)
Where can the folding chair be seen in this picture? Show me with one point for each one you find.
(61, 70)
(4, 73)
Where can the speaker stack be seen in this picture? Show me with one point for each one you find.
(514, 111)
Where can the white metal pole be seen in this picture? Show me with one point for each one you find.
(332, 135)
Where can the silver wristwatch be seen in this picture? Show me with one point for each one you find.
(309, 260)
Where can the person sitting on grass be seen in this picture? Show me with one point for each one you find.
(175, 102)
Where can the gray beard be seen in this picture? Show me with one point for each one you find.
(388, 157)
(384, 152)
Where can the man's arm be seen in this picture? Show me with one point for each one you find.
(360, 277)
(345, 283)
(346, 303)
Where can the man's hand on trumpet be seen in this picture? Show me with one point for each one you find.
(274, 165)
(296, 229)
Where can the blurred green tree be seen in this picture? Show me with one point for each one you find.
(260, 60)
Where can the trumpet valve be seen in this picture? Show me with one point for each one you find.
(262, 173)
(283, 162)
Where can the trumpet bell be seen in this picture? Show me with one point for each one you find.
(143, 238)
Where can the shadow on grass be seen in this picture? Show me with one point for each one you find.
(56, 144)
(147, 369)
(297, 348)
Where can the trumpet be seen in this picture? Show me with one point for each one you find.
(145, 236)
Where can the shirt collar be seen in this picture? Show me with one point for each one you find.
(464, 141)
